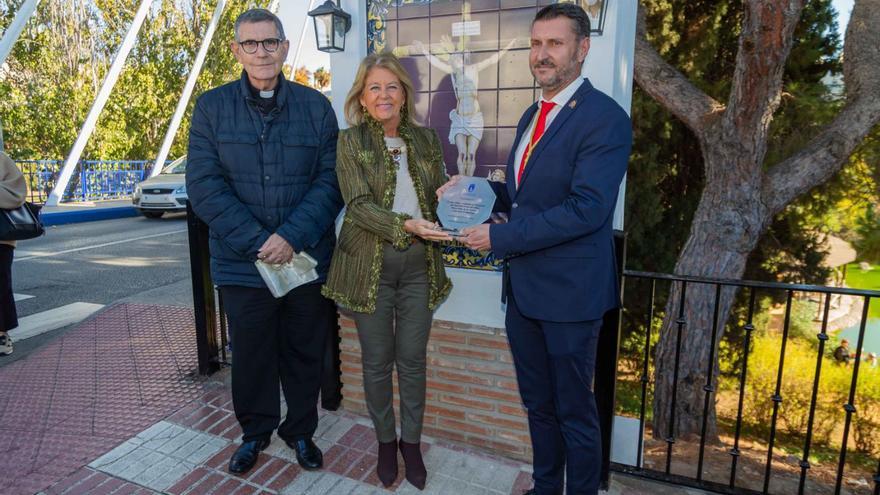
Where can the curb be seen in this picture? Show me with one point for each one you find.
(87, 215)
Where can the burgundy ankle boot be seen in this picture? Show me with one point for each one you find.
(416, 473)
(386, 467)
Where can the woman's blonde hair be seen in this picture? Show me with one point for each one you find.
(354, 112)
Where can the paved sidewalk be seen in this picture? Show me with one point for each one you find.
(112, 407)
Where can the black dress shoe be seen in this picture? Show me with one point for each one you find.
(308, 455)
(245, 456)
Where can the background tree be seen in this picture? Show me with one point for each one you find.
(302, 76)
(322, 79)
(746, 184)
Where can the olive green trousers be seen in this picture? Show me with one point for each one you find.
(397, 334)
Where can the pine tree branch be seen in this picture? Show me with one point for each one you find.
(832, 147)
(669, 86)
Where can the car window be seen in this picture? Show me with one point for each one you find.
(179, 168)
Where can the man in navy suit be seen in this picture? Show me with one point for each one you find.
(564, 173)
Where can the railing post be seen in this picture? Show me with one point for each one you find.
(606, 365)
(850, 406)
(83, 180)
(204, 307)
(777, 395)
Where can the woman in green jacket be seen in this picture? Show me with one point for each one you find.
(387, 267)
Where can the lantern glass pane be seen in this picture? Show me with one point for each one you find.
(323, 30)
(339, 32)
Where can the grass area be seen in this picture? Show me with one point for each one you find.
(858, 279)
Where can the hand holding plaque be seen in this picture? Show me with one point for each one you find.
(467, 203)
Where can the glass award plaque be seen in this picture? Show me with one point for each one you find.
(466, 204)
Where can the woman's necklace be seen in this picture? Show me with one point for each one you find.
(396, 152)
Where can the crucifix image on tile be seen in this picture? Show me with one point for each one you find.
(453, 57)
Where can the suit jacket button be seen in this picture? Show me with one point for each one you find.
(515, 205)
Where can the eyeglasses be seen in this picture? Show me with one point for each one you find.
(269, 44)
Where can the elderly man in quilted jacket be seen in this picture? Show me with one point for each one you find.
(261, 174)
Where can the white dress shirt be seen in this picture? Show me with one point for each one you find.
(561, 99)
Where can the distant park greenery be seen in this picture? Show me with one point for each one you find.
(56, 68)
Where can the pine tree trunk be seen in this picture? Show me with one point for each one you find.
(727, 226)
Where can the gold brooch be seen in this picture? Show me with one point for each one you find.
(395, 153)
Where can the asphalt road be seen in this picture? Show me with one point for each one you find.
(100, 262)
(130, 259)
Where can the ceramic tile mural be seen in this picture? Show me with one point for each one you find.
(469, 63)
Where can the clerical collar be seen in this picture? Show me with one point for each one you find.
(260, 93)
(265, 101)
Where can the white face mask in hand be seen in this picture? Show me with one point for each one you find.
(281, 279)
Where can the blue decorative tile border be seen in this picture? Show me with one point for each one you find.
(462, 257)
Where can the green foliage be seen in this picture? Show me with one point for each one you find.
(60, 61)
(797, 388)
(868, 230)
(866, 424)
(666, 174)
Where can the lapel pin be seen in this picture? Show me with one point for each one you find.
(573, 104)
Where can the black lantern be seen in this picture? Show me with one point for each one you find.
(331, 24)
(596, 10)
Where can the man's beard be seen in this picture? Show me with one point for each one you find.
(563, 74)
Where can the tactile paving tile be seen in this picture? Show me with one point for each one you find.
(97, 385)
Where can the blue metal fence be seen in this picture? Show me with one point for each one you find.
(92, 179)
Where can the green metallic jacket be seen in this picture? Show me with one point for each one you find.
(368, 178)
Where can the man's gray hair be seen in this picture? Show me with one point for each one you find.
(259, 15)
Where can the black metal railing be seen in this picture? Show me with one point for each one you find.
(672, 294)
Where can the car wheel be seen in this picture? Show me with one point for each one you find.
(153, 214)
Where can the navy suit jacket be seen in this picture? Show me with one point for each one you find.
(558, 246)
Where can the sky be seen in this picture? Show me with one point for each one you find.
(843, 8)
(294, 13)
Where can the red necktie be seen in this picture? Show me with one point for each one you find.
(537, 132)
